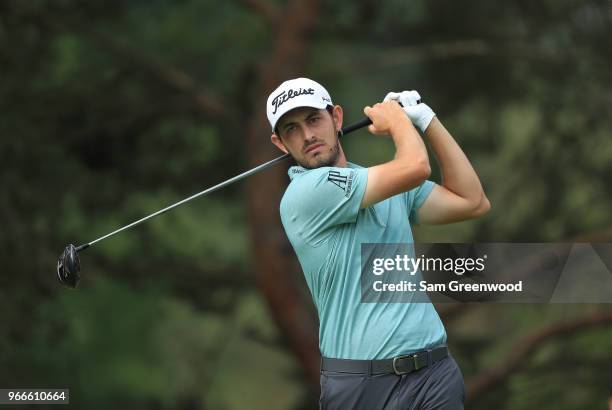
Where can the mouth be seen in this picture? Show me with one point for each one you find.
(313, 148)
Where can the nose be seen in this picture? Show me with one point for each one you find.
(307, 133)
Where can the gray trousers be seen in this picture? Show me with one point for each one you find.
(439, 387)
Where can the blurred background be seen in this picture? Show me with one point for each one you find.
(110, 110)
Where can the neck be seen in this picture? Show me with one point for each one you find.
(341, 162)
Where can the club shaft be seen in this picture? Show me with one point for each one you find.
(259, 168)
(206, 191)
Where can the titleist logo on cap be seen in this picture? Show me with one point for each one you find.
(289, 94)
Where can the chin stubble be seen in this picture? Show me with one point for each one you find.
(319, 162)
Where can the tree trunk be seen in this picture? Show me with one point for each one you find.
(275, 262)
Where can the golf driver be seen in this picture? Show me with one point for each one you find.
(68, 264)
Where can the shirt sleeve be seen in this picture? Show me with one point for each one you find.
(323, 198)
(415, 198)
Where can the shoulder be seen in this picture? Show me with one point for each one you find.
(316, 187)
(303, 183)
(322, 179)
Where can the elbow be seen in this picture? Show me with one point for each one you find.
(417, 173)
(422, 170)
(483, 206)
(426, 170)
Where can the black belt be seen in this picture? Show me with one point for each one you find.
(399, 365)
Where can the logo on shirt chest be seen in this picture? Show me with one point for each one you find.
(344, 182)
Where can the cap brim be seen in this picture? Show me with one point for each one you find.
(292, 105)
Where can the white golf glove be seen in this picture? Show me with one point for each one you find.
(419, 113)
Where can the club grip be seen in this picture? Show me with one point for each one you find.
(365, 121)
(356, 126)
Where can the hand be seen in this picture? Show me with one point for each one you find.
(386, 117)
(419, 113)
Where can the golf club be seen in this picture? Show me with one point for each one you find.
(68, 264)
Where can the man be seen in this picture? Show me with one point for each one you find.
(375, 355)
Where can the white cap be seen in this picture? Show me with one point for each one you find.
(299, 92)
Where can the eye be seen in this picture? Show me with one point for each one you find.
(289, 129)
(314, 119)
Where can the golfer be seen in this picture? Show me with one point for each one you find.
(374, 355)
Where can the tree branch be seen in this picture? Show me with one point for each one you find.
(450, 311)
(445, 50)
(525, 348)
(173, 77)
(603, 235)
(263, 8)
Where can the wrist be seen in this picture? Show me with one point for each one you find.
(421, 115)
(432, 127)
(427, 123)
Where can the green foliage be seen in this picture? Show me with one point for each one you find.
(93, 137)
(114, 345)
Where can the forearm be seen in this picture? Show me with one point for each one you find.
(409, 168)
(409, 146)
(458, 175)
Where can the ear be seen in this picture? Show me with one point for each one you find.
(337, 116)
(279, 143)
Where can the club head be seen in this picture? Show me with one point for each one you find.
(68, 267)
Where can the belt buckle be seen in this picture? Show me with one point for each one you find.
(414, 361)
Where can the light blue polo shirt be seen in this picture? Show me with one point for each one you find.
(321, 215)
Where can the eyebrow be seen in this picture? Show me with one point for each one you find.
(309, 116)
